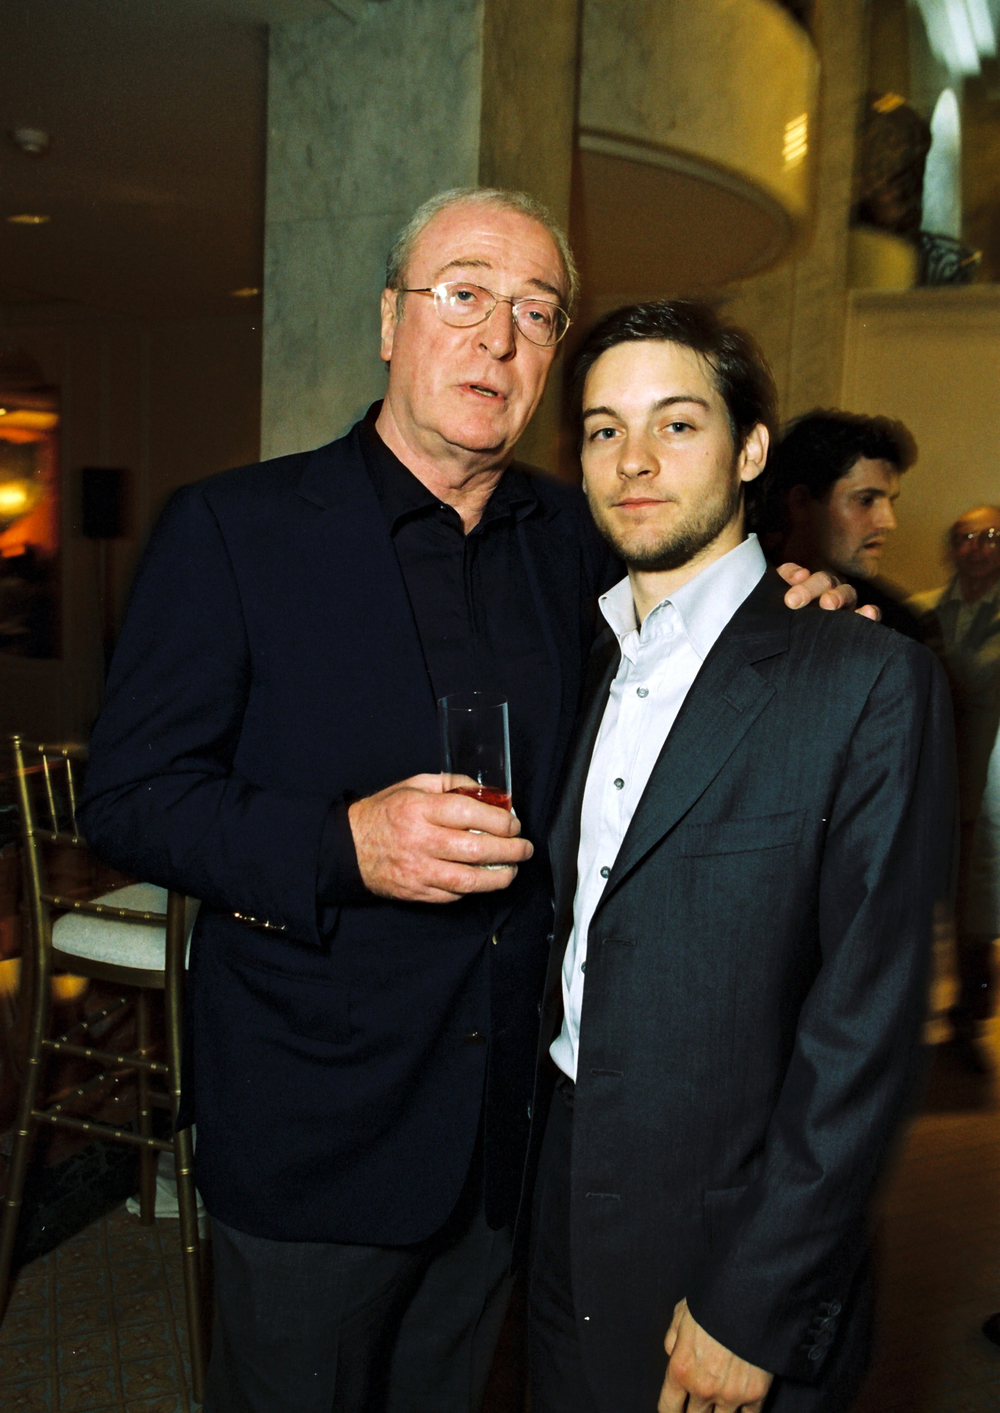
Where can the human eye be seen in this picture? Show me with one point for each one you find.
(677, 426)
(602, 434)
(463, 295)
(536, 313)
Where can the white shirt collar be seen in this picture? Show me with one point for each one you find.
(704, 605)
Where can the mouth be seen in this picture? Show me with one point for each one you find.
(483, 390)
(640, 502)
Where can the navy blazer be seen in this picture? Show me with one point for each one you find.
(269, 664)
(756, 984)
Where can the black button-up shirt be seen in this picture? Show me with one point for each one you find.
(476, 619)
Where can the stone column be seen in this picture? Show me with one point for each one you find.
(366, 119)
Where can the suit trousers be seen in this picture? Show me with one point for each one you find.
(324, 1327)
(558, 1382)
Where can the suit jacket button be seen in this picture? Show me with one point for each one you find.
(475, 1037)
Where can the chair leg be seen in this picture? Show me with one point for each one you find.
(187, 1204)
(20, 1156)
(147, 1156)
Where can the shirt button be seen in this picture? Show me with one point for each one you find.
(605, 872)
(583, 966)
(642, 691)
(619, 784)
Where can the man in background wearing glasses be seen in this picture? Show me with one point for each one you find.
(369, 958)
(962, 621)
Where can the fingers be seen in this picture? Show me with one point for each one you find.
(814, 586)
(869, 610)
(419, 845)
(793, 573)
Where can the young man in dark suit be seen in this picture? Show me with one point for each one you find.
(363, 998)
(755, 825)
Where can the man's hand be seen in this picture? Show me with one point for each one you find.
(416, 843)
(823, 586)
(703, 1375)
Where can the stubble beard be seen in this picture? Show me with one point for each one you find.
(674, 547)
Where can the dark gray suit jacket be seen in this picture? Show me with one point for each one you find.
(756, 981)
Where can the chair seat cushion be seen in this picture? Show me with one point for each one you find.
(127, 944)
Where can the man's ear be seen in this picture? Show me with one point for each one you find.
(389, 297)
(753, 457)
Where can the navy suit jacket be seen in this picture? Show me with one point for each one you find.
(756, 983)
(270, 664)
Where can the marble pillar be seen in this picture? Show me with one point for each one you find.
(367, 117)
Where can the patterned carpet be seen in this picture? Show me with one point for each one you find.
(99, 1325)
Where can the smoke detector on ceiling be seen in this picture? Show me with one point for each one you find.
(33, 141)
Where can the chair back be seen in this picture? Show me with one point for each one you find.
(48, 787)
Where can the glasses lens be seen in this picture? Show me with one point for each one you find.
(459, 303)
(539, 321)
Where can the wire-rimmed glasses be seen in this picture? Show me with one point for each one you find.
(462, 305)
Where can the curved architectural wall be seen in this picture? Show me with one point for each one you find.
(696, 143)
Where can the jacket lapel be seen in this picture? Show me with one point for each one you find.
(725, 700)
(564, 839)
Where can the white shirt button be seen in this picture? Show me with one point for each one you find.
(619, 784)
(605, 872)
(642, 691)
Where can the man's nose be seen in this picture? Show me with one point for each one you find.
(887, 518)
(497, 333)
(636, 458)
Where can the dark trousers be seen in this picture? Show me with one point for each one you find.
(319, 1327)
(558, 1382)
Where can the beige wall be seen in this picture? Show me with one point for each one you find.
(932, 358)
(172, 401)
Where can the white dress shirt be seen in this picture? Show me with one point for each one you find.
(659, 663)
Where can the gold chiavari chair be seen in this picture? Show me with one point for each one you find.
(135, 937)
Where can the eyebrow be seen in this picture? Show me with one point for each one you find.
(475, 263)
(657, 406)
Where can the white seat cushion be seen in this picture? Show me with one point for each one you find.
(127, 944)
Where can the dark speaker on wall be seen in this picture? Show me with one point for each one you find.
(102, 501)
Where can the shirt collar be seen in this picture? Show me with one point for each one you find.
(704, 605)
(402, 496)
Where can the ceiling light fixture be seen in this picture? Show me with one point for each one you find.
(247, 292)
(34, 142)
(27, 218)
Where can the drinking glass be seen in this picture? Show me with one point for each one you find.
(475, 747)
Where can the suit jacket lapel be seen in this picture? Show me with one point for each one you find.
(725, 700)
(564, 839)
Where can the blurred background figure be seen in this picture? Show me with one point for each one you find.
(962, 621)
(836, 479)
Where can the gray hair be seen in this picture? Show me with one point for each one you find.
(401, 251)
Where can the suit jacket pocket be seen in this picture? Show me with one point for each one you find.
(739, 836)
(718, 1207)
(284, 1003)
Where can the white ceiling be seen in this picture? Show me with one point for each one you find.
(155, 177)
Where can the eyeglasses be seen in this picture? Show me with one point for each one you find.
(983, 538)
(461, 305)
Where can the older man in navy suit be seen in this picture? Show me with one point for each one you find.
(368, 961)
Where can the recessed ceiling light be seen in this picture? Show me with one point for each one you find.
(27, 218)
(33, 141)
(247, 292)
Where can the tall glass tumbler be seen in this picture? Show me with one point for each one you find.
(475, 746)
